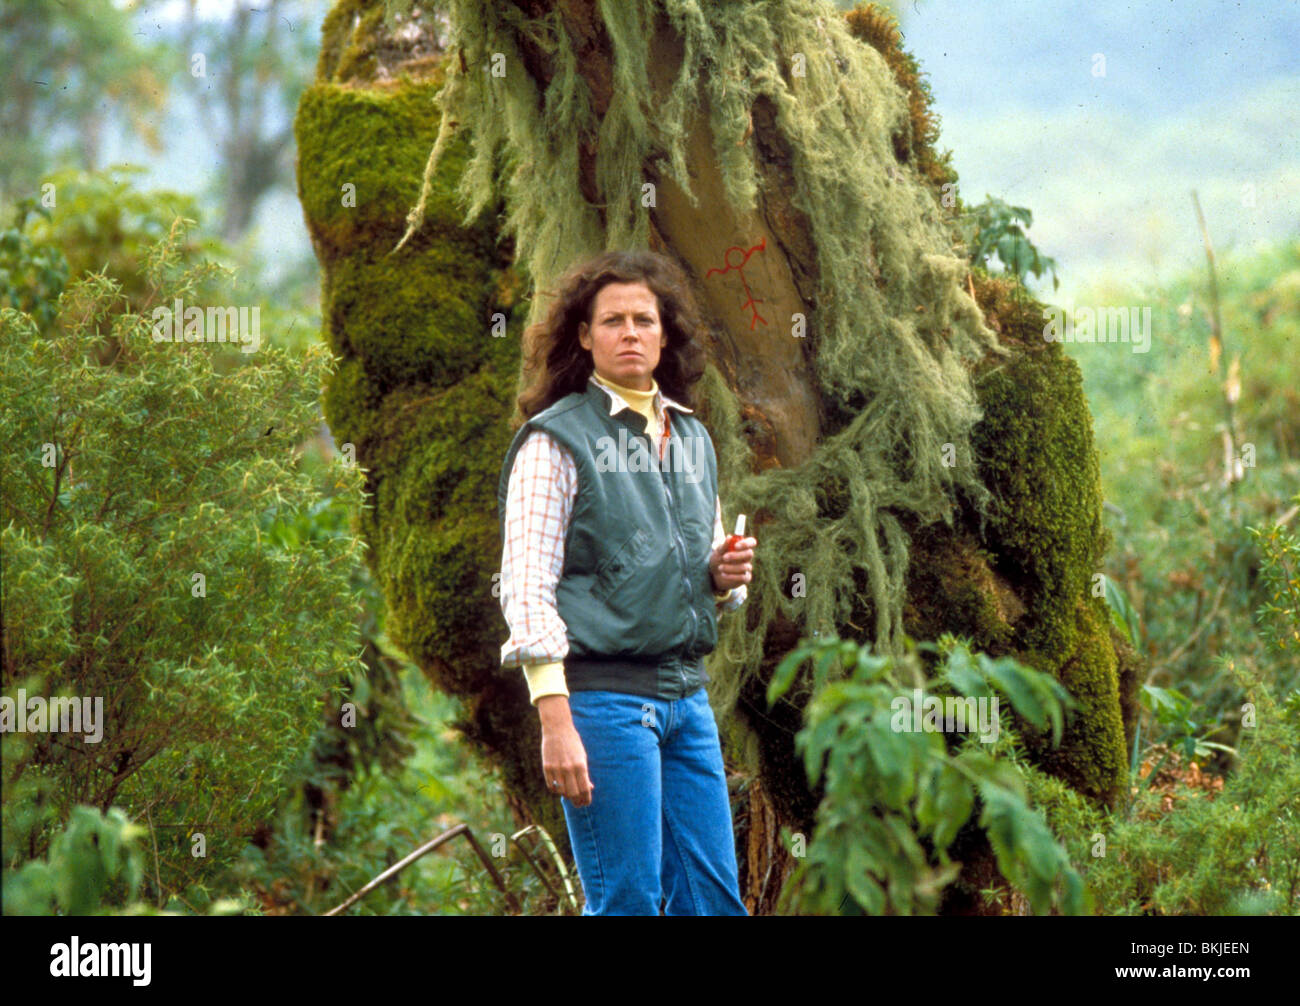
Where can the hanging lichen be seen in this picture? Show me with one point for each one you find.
(895, 332)
(424, 392)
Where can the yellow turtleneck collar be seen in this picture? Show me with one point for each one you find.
(633, 395)
(640, 401)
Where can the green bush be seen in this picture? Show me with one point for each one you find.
(94, 868)
(1230, 853)
(95, 858)
(132, 465)
(1279, 612)
(896, 797)
(1192, 850)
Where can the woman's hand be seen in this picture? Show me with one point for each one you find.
(564, 759)
(731, 569)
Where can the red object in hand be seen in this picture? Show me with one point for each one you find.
(734, 539)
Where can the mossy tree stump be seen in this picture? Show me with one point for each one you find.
(910, 450)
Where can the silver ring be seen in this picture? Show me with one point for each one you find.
(555, 783)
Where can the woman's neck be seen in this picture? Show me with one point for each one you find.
(646, 393)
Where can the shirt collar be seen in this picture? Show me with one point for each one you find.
(618, 403)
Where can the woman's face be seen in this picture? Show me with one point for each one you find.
(624, 337)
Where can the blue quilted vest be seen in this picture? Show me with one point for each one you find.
(635, 592)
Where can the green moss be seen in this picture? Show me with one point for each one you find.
(878, 27)
(1038, 460)
(1035, 449)
(349, 403)
(406, 318)
(1130, 669)
(335, 32)
(417, 316)
(422, 388)
(437, 460)
(1092, 753)
(357, 56)
(951, 588)
(368, 148)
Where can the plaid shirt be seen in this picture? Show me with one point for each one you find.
(539, 501)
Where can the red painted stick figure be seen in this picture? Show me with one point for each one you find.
(740, 268)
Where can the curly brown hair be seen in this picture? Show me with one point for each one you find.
(558, 364)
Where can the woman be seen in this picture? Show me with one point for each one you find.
(613, 573)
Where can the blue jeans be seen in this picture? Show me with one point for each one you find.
(659, 822)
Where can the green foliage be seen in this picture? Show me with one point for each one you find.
(383, 816)
(381, 731)
(1122, 614)
(991, 226)
(1195, 851)
(167, 460)
(102, 222)
(895, 797)
(31, 276)
(94, 867)
(1174, 713)
(95, 856)
(1193, 554)
(1279, 613)
(1234, 852)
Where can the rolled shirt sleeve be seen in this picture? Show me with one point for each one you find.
(539, 501)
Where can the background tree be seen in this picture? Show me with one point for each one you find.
(255, 66)
(66, 73)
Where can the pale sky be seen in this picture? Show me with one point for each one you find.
(1198, 94)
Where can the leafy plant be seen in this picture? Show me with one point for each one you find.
(1215, 851)
(1173, 712)
(1227, 853)
(95, 856)
(1279, 615)
(896, 797)
(994, 226)
(32, 275)
(1122, 613)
